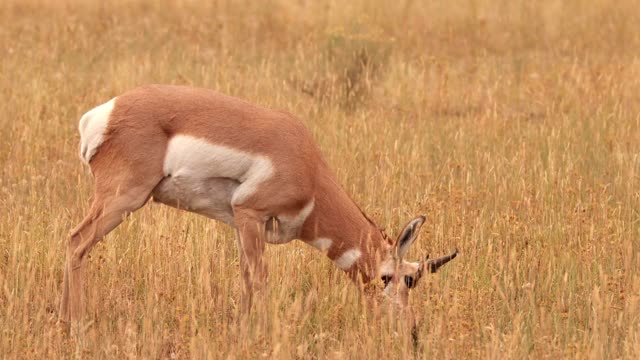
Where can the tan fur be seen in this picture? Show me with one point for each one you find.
(128, 166)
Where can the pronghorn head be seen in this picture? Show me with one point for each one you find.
(400, 276)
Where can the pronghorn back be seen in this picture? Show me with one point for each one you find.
(211, 144)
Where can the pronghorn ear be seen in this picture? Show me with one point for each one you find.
(408, 235)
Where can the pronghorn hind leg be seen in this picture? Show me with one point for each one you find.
(108, 210)
(72, 243)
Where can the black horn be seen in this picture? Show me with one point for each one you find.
(435, 264)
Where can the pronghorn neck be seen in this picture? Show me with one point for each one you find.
(338, 227)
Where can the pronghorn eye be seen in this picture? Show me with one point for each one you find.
(409, 281)
(386, 279)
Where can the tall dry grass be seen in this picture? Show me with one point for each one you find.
(513, 125)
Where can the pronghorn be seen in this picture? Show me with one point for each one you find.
(256, 169)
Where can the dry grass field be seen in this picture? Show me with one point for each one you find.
(513, 125)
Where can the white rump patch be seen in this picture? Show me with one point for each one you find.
(192, 158)
(347, 259)
(322, 244)
(92, 126)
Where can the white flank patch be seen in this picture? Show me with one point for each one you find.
(190, 157)
(348, 258)
(322, 244)
(92, 126)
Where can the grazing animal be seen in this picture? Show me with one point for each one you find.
(256, 169)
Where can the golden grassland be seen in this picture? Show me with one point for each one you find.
(513, 125)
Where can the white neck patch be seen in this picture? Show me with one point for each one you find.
(347, 259)
(322, 244)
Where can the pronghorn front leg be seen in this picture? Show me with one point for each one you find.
(250, 236)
